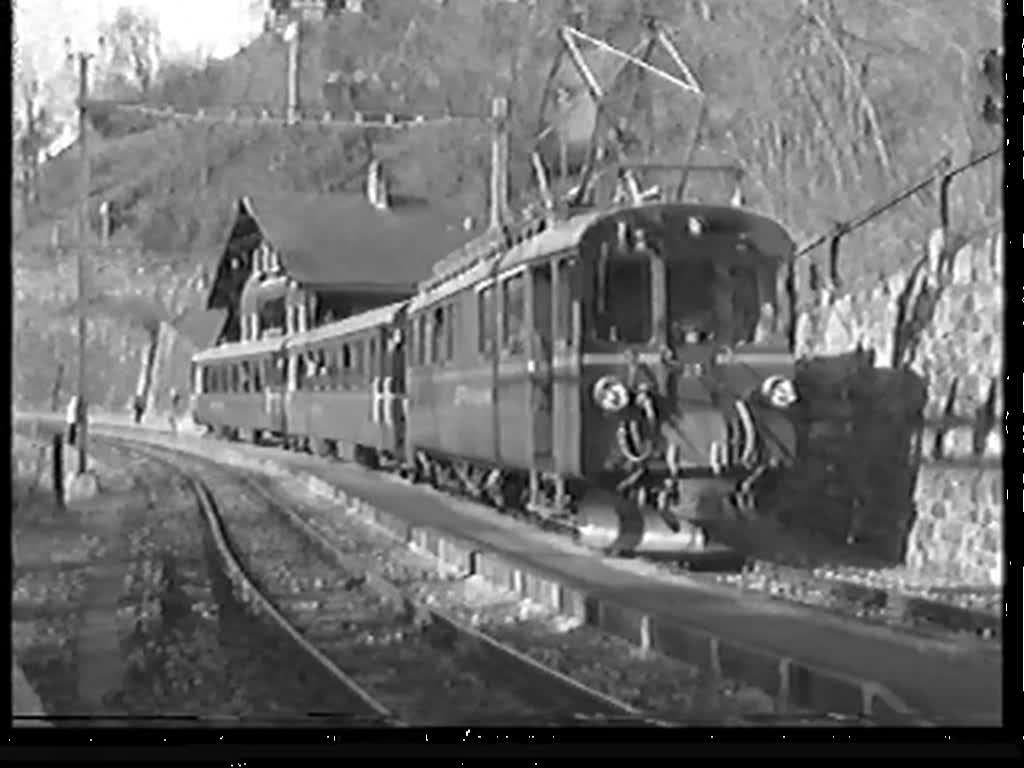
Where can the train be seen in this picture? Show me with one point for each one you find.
(620, 374)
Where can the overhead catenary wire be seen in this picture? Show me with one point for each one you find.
(264, 117)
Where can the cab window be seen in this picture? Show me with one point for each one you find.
(621, 308)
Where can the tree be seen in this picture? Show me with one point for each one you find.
(132, 41)
(33, 130)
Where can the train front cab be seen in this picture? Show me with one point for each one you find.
(682, 360)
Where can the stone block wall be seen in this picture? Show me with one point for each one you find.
(902, 424)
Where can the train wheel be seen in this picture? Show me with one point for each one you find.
(367, 457)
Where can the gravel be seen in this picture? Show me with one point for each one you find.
(674, 691)
(803, 568)
(655, 684)
(187, 646)
(785, 565)
(395, 652)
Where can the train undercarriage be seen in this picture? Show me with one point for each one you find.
(655, 517)
(647, 514)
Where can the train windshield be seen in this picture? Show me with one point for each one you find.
(622, 311)
(709, 301)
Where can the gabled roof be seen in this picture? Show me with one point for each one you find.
(343, 241)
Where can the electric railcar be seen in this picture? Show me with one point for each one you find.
(620, 373)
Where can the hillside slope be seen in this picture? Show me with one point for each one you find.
(827, 105)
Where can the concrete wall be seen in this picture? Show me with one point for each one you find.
(902, 422)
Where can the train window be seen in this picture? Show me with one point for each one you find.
(438, 330)
(622, 299)
(235, 379)
(333, 374)
(691, 286)
(308, 371)
(346, 365)
(372, 363)
(486, 322)
(257, 376)
(419, 333)
(563, 301)
(357, 361)
(513, 294)
(746, 303)
(320, 358)
(449, 336)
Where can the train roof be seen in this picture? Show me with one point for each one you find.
(239, 350)
(364, 320)
(769, 239)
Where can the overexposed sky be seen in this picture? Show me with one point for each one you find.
(218, 27)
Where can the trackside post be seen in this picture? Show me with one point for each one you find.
(58, 469)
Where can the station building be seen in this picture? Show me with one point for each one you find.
(294, 262)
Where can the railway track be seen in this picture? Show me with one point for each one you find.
(399, 661)
(578, 670)
(123, 614)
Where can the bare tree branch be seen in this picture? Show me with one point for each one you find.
(851, 73)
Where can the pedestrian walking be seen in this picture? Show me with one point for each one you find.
(71, 420)
(138, 407)
(175, 401)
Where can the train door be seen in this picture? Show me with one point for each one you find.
(273, 391)
(566, 367)
(540, 393)
(393, 373)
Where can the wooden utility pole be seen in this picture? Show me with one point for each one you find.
(82, 59)
(292, 36)
(499, 162)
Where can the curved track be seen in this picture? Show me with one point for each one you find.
(399, 661)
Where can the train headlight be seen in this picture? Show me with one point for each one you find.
(610, 394)
(779, 391)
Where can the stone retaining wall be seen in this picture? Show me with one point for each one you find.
(902, 435)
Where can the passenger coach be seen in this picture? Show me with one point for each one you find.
(237, 389)
(346, 382)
